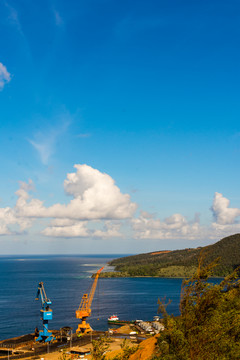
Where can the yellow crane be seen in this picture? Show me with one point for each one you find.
(84, 310)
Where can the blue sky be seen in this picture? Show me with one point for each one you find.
(119, 128)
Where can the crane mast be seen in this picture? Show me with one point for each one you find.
(84, 310)
(46, 314)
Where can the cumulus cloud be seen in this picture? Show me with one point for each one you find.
(73, 229)
(6, 218)
(177, 226)
(27, 186)
(218, 231)
(5, 76)
(222, 213)
(174, 227)
(95, 196)
(110, 230)
(98, 209)
(9, 216)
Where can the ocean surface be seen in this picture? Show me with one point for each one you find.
(66, 279)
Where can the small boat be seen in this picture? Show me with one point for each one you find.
(113, 318)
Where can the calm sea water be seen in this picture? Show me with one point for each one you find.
(65, 279)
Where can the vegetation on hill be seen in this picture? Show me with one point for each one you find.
(209, 324)
(179, 263)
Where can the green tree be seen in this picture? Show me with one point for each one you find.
(127, 351)
(100, 347)
(209, 325)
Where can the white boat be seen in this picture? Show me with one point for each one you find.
(113, 318)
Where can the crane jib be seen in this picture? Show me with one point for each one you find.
(84, 310)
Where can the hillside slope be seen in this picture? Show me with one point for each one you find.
(179, 263)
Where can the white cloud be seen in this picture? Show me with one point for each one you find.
(45, 149)
(62, 222)
(95, 196)
(174, 227)
(5, 76)
(45, 142)
(177, 226)
(27, 186)
(99, 209)
(218, 231)
(110, 230)
(222, 212)
(8, 219)
(73, 230)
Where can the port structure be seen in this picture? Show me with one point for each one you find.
(84, 310)
(46, 314)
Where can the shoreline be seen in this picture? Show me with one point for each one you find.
(154, 277)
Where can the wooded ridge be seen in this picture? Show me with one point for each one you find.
(179, 263)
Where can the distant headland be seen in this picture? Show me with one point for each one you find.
(179, 263)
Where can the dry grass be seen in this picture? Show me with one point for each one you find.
(146, 349)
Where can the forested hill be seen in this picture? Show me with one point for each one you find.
(179, 263)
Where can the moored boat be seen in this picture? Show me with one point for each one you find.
(113, 318)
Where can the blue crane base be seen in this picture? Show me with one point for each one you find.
(45, 336)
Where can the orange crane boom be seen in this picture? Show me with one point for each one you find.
(84, 310)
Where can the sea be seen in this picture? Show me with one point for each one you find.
(66, 279)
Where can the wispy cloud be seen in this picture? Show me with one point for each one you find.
(13, 17)
(82, 136)
(58, 18)
(45, 147)
(5, 76)
(45, 142)
(14, 21)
